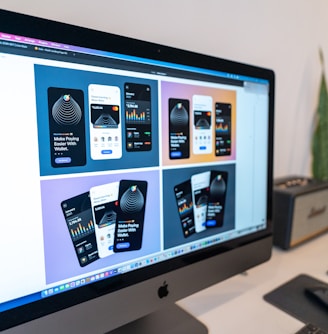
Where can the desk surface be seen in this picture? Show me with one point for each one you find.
(237, 306)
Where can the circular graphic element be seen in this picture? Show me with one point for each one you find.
(179, 115)
(66, 111)
(132, 200)
(218, 186)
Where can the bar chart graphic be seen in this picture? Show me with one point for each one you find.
(81, 230)
(135, 117)
(222, 128)
(185, 209)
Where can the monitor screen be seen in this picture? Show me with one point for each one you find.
(133, 175)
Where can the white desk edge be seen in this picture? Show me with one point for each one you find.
(237, 305)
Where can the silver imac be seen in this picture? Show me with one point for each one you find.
(133, 175)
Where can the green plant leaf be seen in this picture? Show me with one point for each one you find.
(320, 136)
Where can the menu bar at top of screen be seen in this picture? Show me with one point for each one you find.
(34, 47)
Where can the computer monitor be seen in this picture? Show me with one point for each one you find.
(133, 175)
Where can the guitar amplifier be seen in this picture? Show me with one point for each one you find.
(300, 210)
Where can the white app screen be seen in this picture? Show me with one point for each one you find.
(105, 122)
(200, 189)
(103, 202)
(202, 124)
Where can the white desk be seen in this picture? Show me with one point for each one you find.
(237, 306)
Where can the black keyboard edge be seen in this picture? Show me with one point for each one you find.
(311, 329)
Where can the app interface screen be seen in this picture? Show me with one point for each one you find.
(202, 125)
(67, 127)
(185, 207)
(216, 199)
(130, 215)
(222, 129)
(200, 191)
(179, 128)
(138, 133)
(103, 201)
(79, 220)
(105, 124)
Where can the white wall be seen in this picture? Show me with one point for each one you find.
(280, 34)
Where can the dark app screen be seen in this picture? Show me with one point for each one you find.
(137, 117)
(130, 215)
(222, 129)
(67, 127)
(185, 207)
(78, 215)
(179, 128)
(216, 199)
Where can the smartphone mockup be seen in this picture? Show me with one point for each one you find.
(104, 209)
(179, 147)
(222, 129)
(130, 215)
(105, 122)
(200, 191)
(184, 202)
(202, 124)
(216, 199)
(138, 134)
(79, 221)
(66, 127)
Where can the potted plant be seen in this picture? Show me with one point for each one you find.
(320, 135)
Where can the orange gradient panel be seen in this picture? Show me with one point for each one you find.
(183, 91)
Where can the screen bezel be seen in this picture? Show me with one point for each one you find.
(44, 29)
